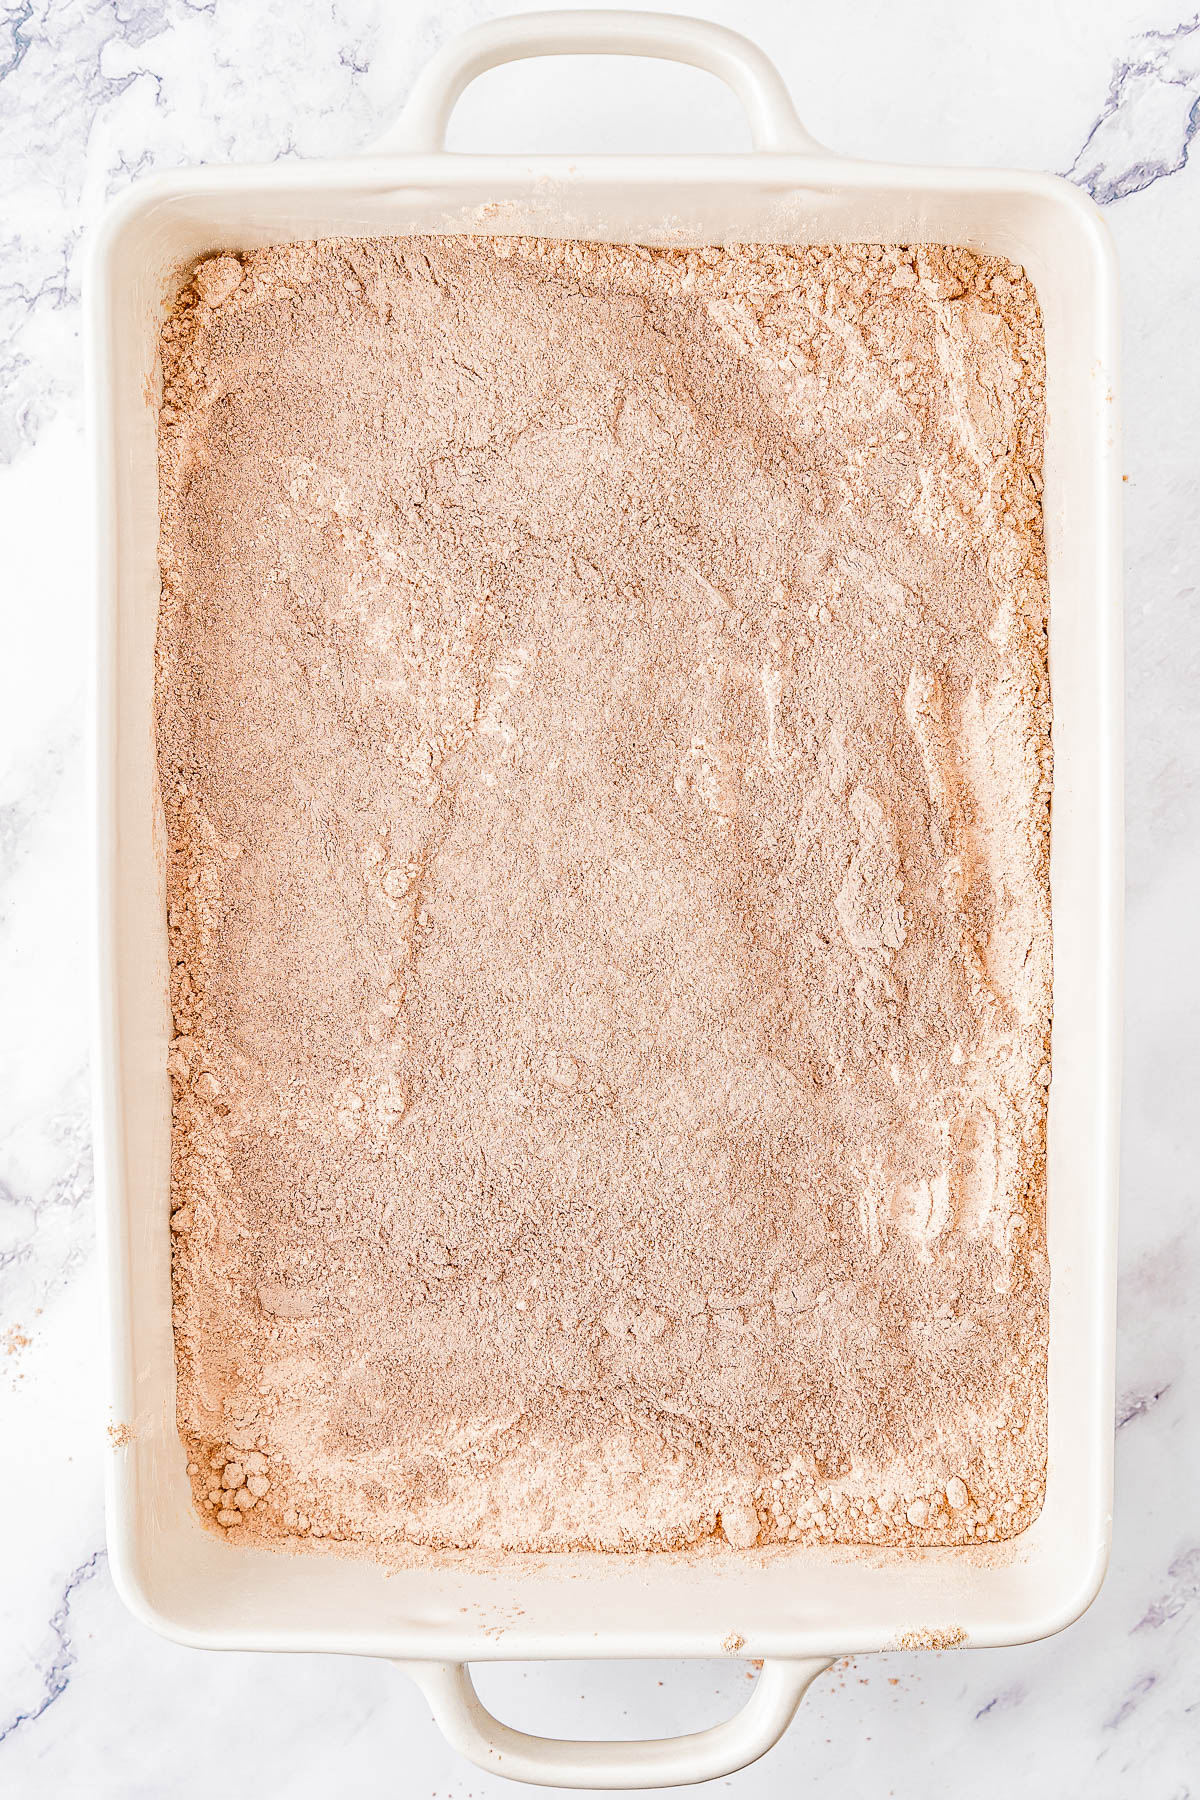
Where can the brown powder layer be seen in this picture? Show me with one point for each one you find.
(604, 737)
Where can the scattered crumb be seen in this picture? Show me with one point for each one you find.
(931, 1639)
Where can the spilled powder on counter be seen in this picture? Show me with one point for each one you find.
(603, 727)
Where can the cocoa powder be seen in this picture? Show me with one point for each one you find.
(603, 729)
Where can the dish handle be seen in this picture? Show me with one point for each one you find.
(470, 1729)
(737, 62)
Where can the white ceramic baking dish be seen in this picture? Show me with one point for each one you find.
(795, 1607)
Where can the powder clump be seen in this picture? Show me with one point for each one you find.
(603, 730)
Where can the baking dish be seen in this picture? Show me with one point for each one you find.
(794, 1606)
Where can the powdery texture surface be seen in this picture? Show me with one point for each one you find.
(604, 736)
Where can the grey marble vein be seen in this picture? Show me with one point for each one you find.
(1182, 1595)
(1012, 1696)
(1136, 1405)
(1133, 1699)
(56, 1673)
(1150, 115)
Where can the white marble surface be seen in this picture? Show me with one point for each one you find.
(94, 92)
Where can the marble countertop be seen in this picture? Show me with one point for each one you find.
(96, 92)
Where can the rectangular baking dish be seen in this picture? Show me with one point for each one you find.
(794, 1606)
